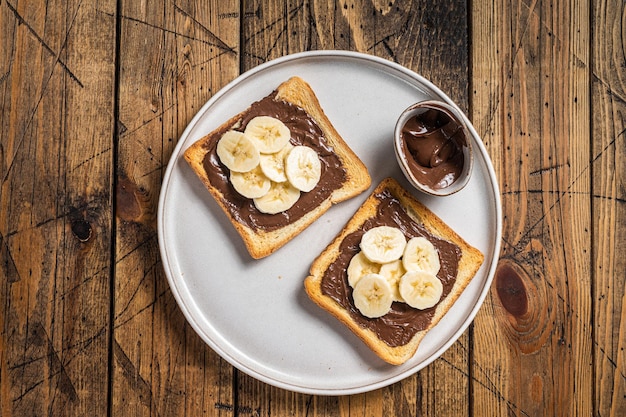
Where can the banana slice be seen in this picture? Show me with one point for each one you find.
(267, 133)
(237, 152)
(303, 168)
(393, 271)
(280, 197)
(383, 244)
(420, 289)
(372, 295)
(251, 184)
(359, 266)
(421, 255)
(273, 164)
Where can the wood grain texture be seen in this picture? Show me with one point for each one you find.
(531, 103)
(55, 217)
(173, 57)
(608, 159)
(94, 96)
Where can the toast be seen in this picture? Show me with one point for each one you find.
(343, 174)
(395, 336)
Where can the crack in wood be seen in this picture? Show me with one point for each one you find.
(243, 409)
(125, 132)
(137, 290)
(206, 61)
(173, 32)
(159, 168)
(39, 337)
(43, 43)
(146, 241)
(547, 170)
(80, 284)
(570, 193)
(7, 264)
(20, 141)
(219, 42)
(281, 20)
(567, 191)
(136, 381)
(5, 76)
(144, 308)
(607, 198)
(514, 57)
(91, 158)
(73, 213)
(492, 389)
(27, 391)
(611, 143)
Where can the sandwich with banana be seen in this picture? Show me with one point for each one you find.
(393, 272)
(277, 166)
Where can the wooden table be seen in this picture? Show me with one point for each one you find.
(94, 95)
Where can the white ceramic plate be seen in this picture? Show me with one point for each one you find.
(255, 313)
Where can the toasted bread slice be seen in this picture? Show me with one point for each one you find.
(266, 233)
(328, 285)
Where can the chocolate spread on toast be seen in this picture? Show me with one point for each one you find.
(397, 327)
(304, 131)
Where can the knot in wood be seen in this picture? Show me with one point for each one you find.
(511, 290)
(132, 201)
(82, 229)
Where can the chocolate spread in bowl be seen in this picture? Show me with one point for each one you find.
(433, 142)
(397, 327)
(304, 131)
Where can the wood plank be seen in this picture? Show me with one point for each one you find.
(407, 33)
(490, 52)
(56, 130)
(173, 57)
(531, 103)
(609, 207)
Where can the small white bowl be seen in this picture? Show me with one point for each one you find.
(468, 160)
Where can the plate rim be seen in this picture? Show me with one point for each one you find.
(182, 303)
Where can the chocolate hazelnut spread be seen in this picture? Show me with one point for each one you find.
(433, 144)
(397, 327)
(304, 131)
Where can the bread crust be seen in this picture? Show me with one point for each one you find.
(261, 243)
(469, 263)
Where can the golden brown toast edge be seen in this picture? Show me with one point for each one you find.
(261, 243)
(469, 264)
